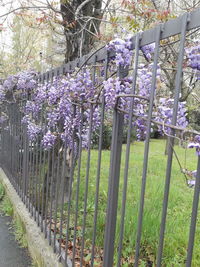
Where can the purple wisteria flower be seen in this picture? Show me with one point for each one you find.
(148, 50)
(17, 87)
(10, 83)
(193, 55)
(40, 94)
(26, 81)
(26, 119)
(3, 118)
(33, 130)
(32, 107)
(165, 112)
(122, 48)
(191, 183)
(52, 118)
(195, 143)
(48, 140)
(114, 87)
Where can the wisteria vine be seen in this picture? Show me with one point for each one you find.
(57, 109)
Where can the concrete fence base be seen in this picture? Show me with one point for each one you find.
(38, 246)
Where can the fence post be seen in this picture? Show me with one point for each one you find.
(113, 187)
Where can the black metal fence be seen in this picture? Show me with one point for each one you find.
(86, 222)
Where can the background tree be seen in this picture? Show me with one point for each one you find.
(78, 21)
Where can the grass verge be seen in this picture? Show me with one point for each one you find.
(6, 209)
(179, 208)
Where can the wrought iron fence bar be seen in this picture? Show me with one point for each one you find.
(19, 148)
(87, 167)
(86, 183)
(56, 200)
(9, 153)
(36, 178)
(146, 149)
(193, 217)
(113, 184)
(27, 168)
(46, 78)
(77, 188)
(111, 217)
(21, 160)
(29, 181)
(41, 78)
(18, 134)
(31, 170)
(73, 159)
(58, 71)
(63, 176)
(39, 186)
(27, 178)
(25, 158)
(33, 177)
(50, 76)
(47, 192)
(51, 192)
(11, 115)
(99, 166)
(43, 191)
(130, 122)
(61, 71)
(184, 24)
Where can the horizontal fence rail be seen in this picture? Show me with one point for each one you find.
(170, 28)
(90, 202)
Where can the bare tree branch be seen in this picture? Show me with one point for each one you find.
(80, 7)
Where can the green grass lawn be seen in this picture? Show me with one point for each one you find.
(179, 208)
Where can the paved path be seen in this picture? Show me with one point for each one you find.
(11, 255)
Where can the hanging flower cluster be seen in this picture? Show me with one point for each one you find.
(21, 83)
(52, 106)
(165, 113)
(148, 50)
(163, 108)
(193, 56)
(56, 109)
(122, 49)
(195, 143)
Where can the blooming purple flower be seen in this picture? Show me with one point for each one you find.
(32, 107)
(3, 118)
(165, 113)
(191, 183)
(122, 50)
(148, 50)
(10, 83)
(195, 144)
(26, 81)
(193, 56)
(33, 130)
(48, 140)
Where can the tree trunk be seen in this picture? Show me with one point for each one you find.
(81, 21)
